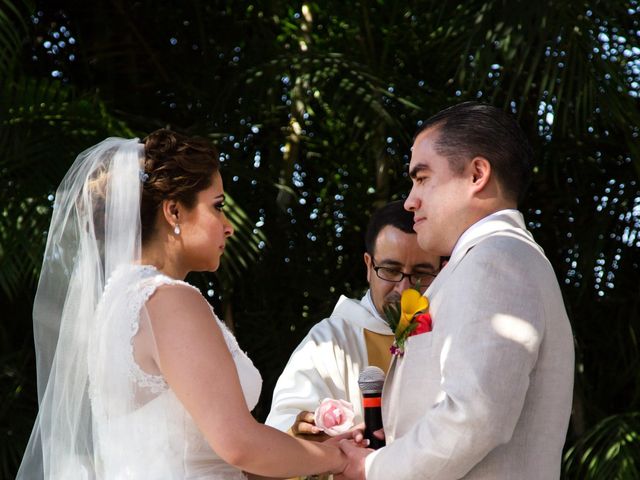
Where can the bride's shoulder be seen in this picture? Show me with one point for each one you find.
(181, 317)
(169, 293)
(155, 284)
(174, 298)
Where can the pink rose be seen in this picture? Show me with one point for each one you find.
(334, 417)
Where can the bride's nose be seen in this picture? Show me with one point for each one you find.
(228, 228)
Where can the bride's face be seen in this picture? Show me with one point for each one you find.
(205, 228)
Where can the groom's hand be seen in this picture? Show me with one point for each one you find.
(355, 461)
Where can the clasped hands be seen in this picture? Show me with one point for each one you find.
(352, 443)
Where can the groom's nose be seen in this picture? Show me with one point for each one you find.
(411, 203)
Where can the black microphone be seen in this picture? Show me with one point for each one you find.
(370, 381)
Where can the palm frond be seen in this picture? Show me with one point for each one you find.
(609, 450)
(13, 30)
(244, 247)
(42, 128)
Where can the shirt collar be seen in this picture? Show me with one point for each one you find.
(486, 225)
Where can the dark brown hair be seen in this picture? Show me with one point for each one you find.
(472, 129)
(178, 167)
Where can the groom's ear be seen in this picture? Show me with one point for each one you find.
(480, 172)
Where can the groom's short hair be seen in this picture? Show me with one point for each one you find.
(471, 129)
(394, 214)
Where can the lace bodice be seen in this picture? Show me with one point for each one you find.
(141, 428)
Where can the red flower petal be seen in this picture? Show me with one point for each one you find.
(424, 322)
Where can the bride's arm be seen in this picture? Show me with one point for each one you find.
(193, 356)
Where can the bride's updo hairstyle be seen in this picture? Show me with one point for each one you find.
(176, 167)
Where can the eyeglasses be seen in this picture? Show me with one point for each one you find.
(396, 276)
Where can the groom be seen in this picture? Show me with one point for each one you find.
(487, 393)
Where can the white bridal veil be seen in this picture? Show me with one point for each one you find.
(94, 229)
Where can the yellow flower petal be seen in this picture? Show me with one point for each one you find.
(403, 323)
(412, 302)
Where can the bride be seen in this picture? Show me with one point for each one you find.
(137, 377)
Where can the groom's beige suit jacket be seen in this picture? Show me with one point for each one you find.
(487, 393)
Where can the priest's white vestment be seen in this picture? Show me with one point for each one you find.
(327, 362)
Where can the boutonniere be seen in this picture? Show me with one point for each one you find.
(408, 317)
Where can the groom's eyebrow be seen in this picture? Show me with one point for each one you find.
(417, 169)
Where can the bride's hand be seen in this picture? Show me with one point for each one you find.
(356, 434)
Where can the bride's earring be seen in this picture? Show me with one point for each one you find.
(176, 229)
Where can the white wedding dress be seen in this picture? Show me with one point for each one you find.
(140, 429)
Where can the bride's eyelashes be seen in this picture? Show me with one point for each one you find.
(219, 206)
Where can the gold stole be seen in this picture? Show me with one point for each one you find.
(378, 349)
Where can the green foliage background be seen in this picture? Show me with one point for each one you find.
(314, 106)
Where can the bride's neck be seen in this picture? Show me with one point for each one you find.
(162, 252)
